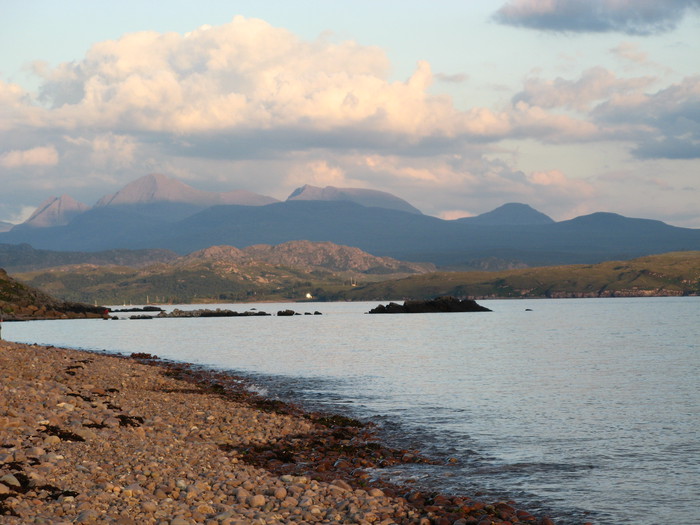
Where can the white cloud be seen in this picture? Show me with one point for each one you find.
(556, 181)
(631, 51)
(317, 173)
(245, 74)
(249, 106)
(595, 84)
(106, 150)
(246, 77)
(39, 156)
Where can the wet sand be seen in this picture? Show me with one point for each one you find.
(96, 438)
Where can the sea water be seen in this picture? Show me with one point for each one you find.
(583, 409)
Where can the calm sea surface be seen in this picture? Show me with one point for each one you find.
(588, 410)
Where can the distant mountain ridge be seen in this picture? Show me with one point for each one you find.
(513, 235)
(512, 213)
(164, 198)
(364, 197)
(157, 187)
(56, 211)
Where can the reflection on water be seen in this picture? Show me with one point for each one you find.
(587, 408)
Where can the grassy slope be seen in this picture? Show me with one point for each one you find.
(669, 274)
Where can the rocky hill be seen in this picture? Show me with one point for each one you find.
(310, 256)
(223, 274)
(19, 302)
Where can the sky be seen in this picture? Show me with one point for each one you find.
(570, 106)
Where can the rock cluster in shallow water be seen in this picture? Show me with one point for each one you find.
(444, 304)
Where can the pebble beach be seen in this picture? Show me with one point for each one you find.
(98, 438)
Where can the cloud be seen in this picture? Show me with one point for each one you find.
(664, 124)
(630, 51)
(317, 173)
(246, 89)
(40, 156)
(595, 84)
(633, 17)
(244, 75)
(106, 150)
(557, 180)
(457, 78)
(16, 108)
(246, 105)
(249, 81)
(600, 106)
(467, 184)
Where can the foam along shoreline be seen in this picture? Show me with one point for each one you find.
(90, 437)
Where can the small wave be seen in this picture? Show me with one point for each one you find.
(260, 390)
(532, 467)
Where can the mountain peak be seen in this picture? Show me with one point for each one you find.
(157, 187)
(511, 214)
(154, 187)
(55, 211)
(361, 196)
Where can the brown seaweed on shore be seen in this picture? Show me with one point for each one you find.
(342, 450)
(63, 435)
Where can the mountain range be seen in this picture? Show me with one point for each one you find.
(159, 212)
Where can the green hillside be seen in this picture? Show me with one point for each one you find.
(657, 275)
(20, 302)
(202, 280)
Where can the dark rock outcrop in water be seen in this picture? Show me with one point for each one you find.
(439, 305)
(210, 313)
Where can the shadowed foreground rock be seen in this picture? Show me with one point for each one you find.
(19, 302)
(439, 305)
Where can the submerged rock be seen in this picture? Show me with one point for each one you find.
(438, 305)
